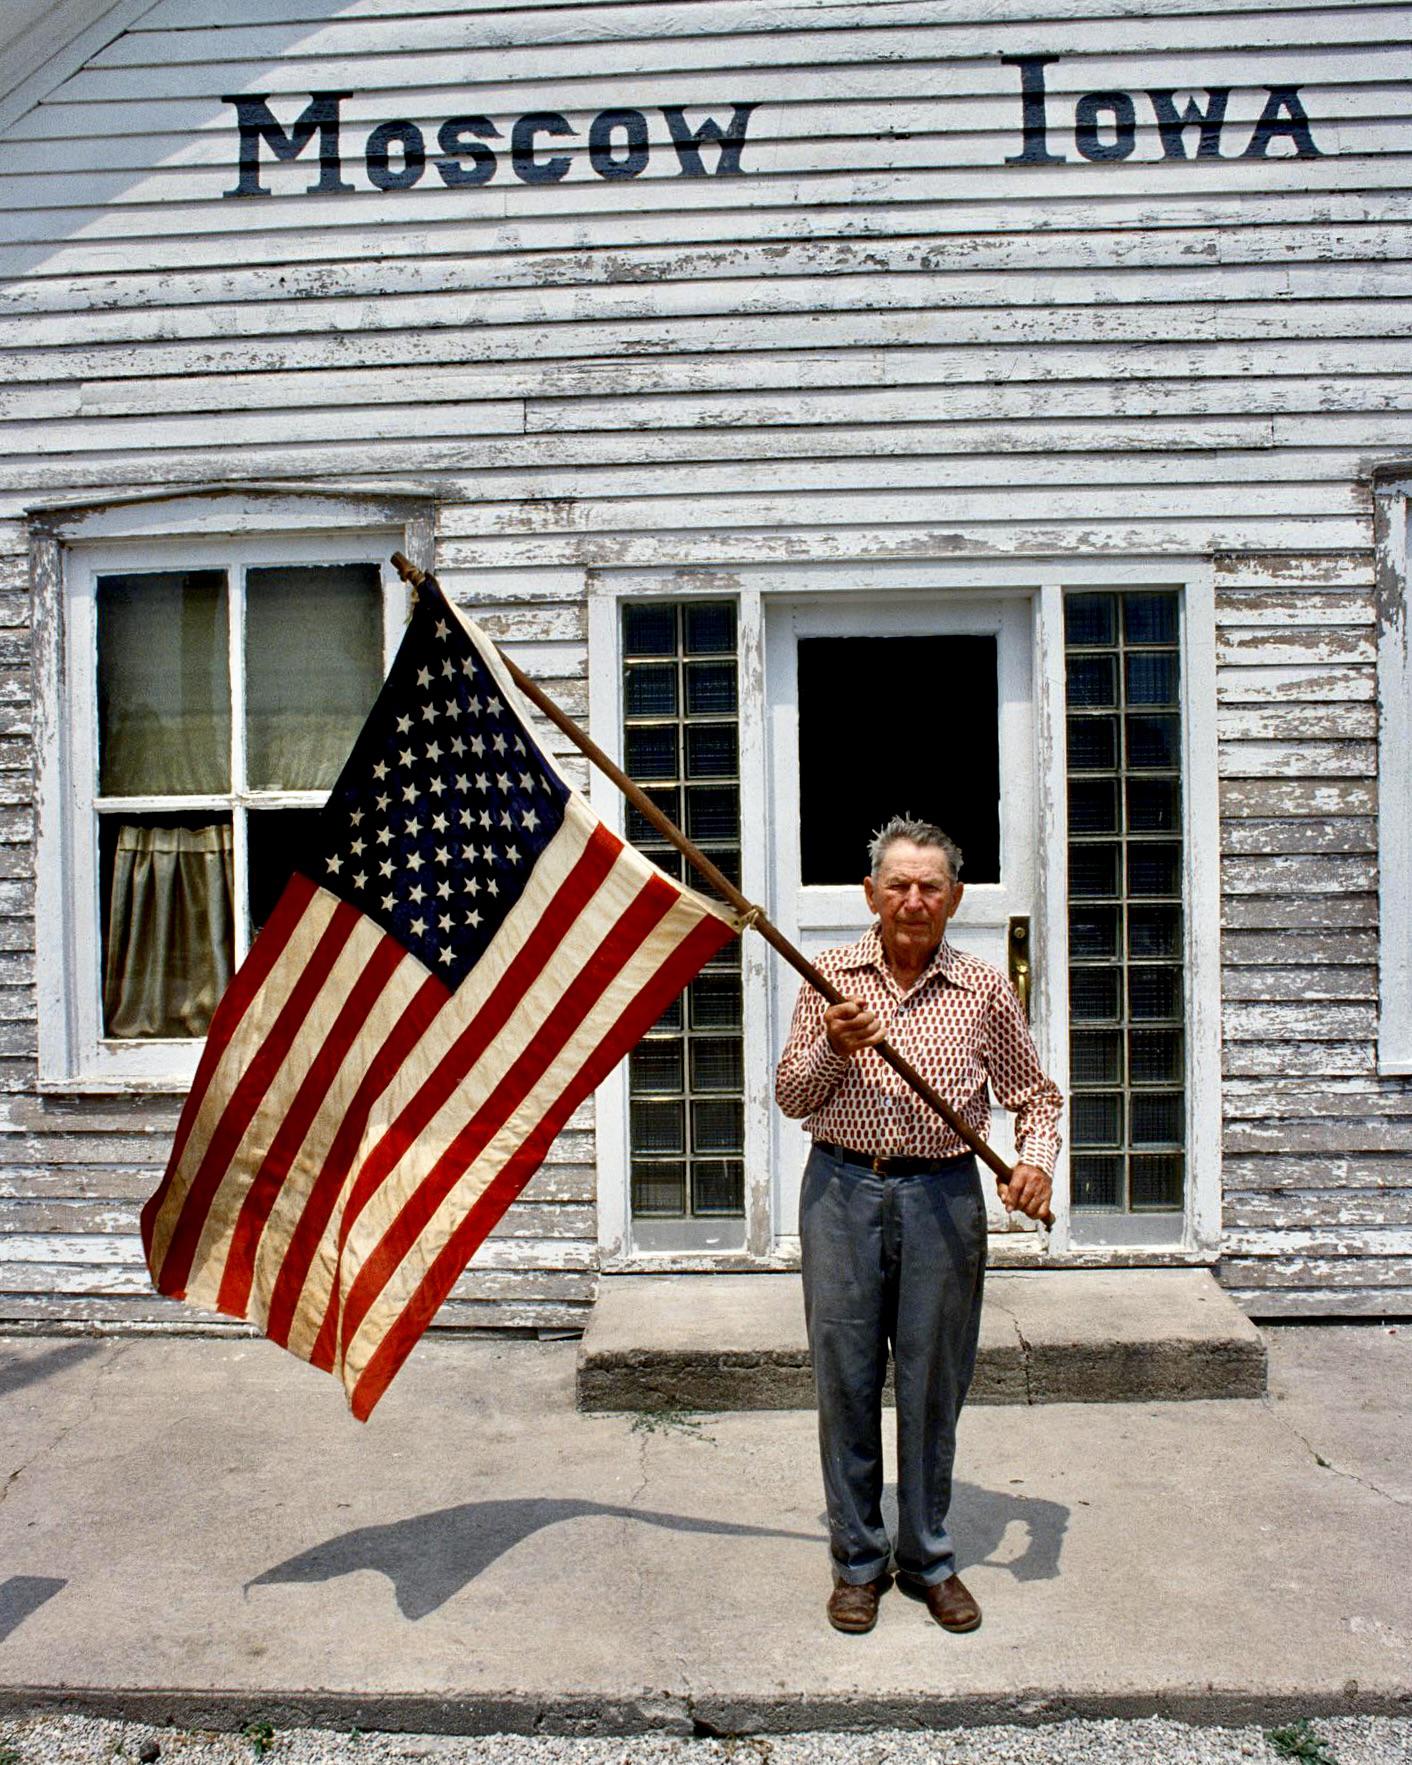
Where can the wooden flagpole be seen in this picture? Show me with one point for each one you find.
(752, 915)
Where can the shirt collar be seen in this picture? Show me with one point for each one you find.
(946, 960)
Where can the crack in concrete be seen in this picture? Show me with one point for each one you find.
(1324, 1464)
(1024, 1347)
(101, 1367)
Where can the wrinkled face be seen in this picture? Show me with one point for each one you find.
(913, 897)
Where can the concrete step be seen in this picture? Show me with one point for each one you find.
(736, 1342)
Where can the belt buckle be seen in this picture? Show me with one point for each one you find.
(877, 1164)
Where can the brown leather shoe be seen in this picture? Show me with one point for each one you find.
(950, 1602)
(853, 1605)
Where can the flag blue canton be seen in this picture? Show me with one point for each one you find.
(445, 804)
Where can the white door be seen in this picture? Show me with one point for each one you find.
(884, 706)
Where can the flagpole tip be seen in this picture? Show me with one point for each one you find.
(407, 570)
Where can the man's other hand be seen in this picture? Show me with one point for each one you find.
(1027, 1192)
(850, 1025)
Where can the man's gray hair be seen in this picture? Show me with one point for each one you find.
(919, 833)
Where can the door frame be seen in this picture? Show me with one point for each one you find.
(1046, 580)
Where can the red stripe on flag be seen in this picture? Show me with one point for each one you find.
(578, 888)
(246, 1098)
(383, 1066)
(235, 1002)
(643, 913)
(269, 1180)
(638, 1017)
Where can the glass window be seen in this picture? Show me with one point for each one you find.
(1126, 971)
(228, 700)
(686, 1079)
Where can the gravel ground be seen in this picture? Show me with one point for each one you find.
(1352, 1740)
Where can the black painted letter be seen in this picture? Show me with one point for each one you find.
(1087, 113)
(1036, 148)
(600, 143)
(522, 160)
(452, 141)
(688, 145)
(1171, 122)
(1293, 123)
(257, 124)
(407, 139)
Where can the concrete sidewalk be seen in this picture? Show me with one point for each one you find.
(196, 1531)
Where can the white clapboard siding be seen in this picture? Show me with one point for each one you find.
(878, 346)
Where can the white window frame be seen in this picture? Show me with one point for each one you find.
(70, 550)
(1392, 513)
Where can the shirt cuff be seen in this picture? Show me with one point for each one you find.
(822, 1068)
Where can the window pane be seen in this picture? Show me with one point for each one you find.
(710, 750)
(710, 688)
(649, 631)
(279, 841)
(1096, 1057)
(717, 1186)
(717, 1125)
(1090, 619)
(1153, 805)
(658, 1127)
(1093, 680)
(1093, 744)
(1150, 618)
(1098, 1119)
(1093, 931)
(658, 1188)
(1152, 677)
(313, 666)
(1093, 993)
(651, 753)
(1154, 992)
(1097, 1179)
(168, 890)
(1157, 1118)
(1156, 1180)
(650, 690)
(717, 1063)
(710, 628)
(715, 1002)
(640, 830)
(1154, 869)
(1093, 870)
(1154, 744)
(1155, 1056)
(1093, 805)
(655, 1066)
(163, 684)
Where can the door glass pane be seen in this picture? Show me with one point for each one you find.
(163, 684)
(313, 666)
(897, 726)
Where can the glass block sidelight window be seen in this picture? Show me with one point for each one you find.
(686, 1079)
(1126, 992)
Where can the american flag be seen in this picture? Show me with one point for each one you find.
(469, 954)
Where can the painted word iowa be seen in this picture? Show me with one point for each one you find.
(395, 153)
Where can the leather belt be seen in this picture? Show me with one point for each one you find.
(891, 1166)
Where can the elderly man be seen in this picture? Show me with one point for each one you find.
(892, 1216)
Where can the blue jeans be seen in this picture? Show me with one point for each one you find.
(891, 1263)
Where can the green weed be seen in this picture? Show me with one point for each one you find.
(261, 1736)
(1297, 1740)
(670, 1422)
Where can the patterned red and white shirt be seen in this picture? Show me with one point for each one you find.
(960, 1025)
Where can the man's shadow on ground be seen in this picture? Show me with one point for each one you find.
(979, 1520)
(429, 1558)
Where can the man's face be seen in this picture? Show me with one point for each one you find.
(913, 897)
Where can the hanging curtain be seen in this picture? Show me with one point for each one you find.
(170, 939)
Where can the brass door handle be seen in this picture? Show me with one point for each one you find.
(1018, 946)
